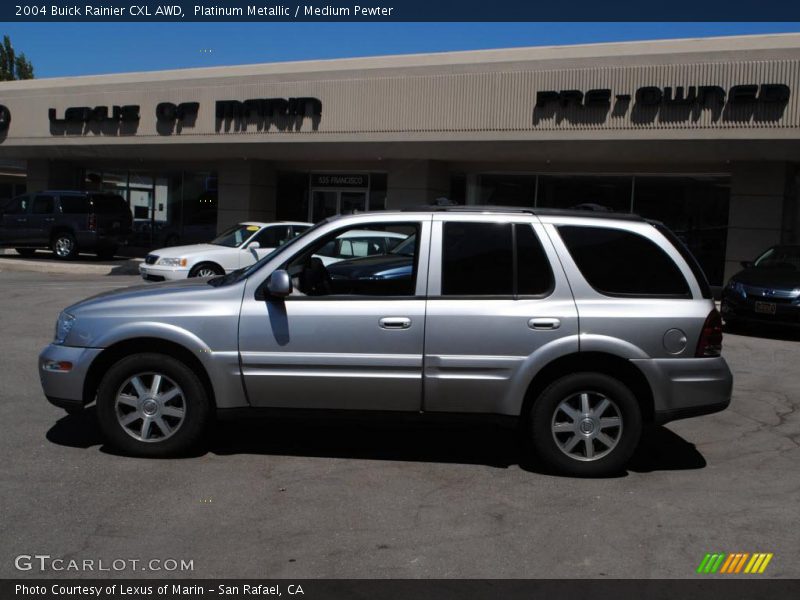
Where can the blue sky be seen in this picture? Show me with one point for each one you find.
(62, 49)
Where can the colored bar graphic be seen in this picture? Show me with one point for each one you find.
(733, 563)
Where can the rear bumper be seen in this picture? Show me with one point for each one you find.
(687, 387)
(65, 388)
(94, 239)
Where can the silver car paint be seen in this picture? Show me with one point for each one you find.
(479, 355)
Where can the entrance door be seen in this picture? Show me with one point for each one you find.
(326, 203)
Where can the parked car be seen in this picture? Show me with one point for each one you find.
(577, 327)
(237, 247)
(66, 222)
(766, 291)
(358, 244)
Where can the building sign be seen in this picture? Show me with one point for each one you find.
(285, 113)
(739, 101)
(339, 180)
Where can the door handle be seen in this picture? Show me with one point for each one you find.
(49, 219)
(395, 322)
(544, 323)
(22, 220)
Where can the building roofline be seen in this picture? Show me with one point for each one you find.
(724, 44)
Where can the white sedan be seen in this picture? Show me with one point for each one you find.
(240, 246)
(358, 244)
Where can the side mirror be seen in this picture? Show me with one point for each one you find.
(253, 246)
(278, 285)
(747, 263)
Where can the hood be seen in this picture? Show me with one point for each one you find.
(138, 292)
(369, 266)
(188, 251)
(769, 277)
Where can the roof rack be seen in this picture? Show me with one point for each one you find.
(557, 212)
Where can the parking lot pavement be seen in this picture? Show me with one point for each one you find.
(86, 264)
(291, 499)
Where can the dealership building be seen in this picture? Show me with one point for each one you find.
(701, 134)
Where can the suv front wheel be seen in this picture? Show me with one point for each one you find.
(152, 405)
(586, 424)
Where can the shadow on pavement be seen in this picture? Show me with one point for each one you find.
(476, 444)
(765, 331)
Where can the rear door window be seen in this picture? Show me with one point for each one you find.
(616, 262)
(74, 205)
(44, 204)
(494, 259)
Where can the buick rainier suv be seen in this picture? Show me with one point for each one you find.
(580, 327)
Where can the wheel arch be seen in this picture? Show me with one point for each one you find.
(203, 263)
(141, 345)
(601, 362)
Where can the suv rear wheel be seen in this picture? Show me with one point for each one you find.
(152, 405)
(64, 246)
(586, 424)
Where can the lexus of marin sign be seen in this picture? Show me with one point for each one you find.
(261, 110)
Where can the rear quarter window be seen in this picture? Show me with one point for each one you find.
(616, 262)
(109, 204)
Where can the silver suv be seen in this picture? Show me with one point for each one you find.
(581, 327)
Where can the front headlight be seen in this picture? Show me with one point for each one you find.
(737, 288)
(172, 262)
(63, 327)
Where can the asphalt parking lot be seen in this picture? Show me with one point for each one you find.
(291, 500)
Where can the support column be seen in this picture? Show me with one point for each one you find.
(755, 220)
(416, 183)
(246, 192)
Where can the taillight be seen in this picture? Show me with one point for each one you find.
(92, 222)
(710, 342)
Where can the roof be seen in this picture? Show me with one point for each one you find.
(529, 211)
(703, 47)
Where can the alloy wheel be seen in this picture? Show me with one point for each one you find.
(64, 246)
(150, 407)
(587, 426)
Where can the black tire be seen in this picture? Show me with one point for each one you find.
(194, 402)
(547, 443)
(198, 269)
(26, 252)
(64, 245)
(107, 252)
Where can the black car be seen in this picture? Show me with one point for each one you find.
(384, 274)
(66, 222)
(766, 290)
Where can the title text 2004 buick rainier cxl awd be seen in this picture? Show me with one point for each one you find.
(583, 326)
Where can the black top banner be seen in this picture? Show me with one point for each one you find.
(398, 10)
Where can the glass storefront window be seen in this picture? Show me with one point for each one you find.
(507, 190)
(168, 208)
(585, 191)
(696, 209)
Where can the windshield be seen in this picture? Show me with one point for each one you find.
(244, 273)
(780, 257)
(235, 236)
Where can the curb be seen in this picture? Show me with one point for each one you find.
(9, 262)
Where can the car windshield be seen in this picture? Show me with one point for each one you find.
(780, 257)
(245, 272)
(235, 236)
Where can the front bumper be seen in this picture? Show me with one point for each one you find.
(65, 388)
(162, 273)
(687, 387)
(743, 310)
